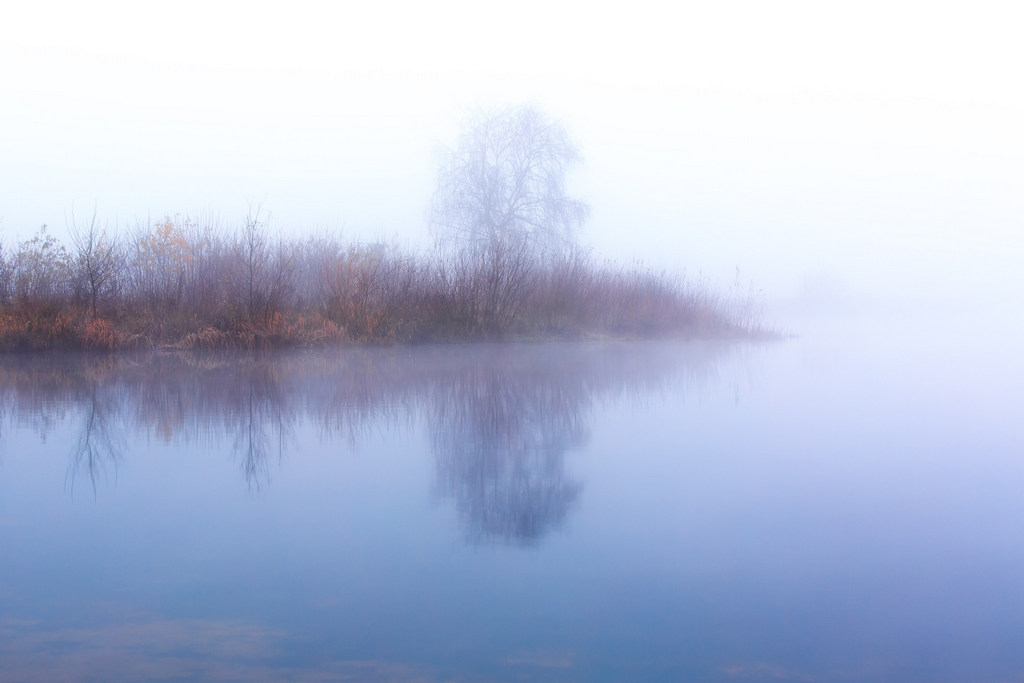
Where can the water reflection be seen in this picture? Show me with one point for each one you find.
(500, 418)
(500, 436)
(265, 421)
(100, 446)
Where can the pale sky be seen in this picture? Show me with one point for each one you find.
(876, 146)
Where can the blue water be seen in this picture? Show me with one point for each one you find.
(841, 506)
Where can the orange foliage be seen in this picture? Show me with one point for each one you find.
(99, 334)
(167, 243)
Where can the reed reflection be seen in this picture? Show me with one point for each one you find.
(500, 418)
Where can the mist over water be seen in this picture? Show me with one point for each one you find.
(838, 505)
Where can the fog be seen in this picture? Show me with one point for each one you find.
(871, 153)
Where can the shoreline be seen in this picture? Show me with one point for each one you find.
(68, 332)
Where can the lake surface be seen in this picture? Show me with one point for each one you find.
(843, 506)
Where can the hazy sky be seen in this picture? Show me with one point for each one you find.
(874, 145)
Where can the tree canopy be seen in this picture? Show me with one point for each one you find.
(505, 183)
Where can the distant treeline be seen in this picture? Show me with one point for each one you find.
(185, 283)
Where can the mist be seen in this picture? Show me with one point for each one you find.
(811, 474)
(870, 154)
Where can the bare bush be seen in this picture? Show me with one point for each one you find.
(6, 271)
(204, 287)
(372, 290)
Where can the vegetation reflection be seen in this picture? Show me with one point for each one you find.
(500, 434)
(500, 418)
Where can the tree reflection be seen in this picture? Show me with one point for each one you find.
(265, 422)
(214, 399)
(500, 418)
(500, 438)
(100, 445)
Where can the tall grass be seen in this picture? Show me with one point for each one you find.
(188, 283)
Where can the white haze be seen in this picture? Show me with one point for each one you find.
(822, 149)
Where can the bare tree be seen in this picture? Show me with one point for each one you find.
(500, 209)
(97, 259)
(266, 271)
(505, 182)
(255, 257)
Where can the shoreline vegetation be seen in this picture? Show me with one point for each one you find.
(505, 266)
(186, 284)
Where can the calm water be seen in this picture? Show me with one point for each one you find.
(845, 506)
